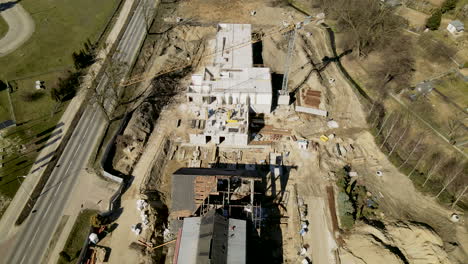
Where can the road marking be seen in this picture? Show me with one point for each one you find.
(60, 205)
(127, 43)
(56, 191)
(58, 188)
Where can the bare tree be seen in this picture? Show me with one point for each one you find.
(396, 70)
(454, 126)
(379, 110)
(399, 139)
(366, 24)
(421, 138)
(417, 163)
(436, 161)
(397, 119)
(109, 95)
(383, 124)
(436, 50)
(450, 181)
(460, 196)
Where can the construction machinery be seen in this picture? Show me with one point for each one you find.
(288, 28)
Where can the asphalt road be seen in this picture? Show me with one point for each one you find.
(35, 234)
(20, 26)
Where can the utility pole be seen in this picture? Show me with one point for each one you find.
(459, 197)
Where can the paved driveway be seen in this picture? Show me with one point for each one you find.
(20, 26)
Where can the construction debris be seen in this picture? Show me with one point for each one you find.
(136, 229)
(93, 238)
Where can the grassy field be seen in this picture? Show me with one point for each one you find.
(3, 27)
(455, 88)
(77, 236)
(61, 28)
(5, 113)
(42, 106)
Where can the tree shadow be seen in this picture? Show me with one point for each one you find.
(8, 5)
(276, 84)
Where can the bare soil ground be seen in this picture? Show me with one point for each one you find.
(436, 2)
(313, 168)
(415, 18)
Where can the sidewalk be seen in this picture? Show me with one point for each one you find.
(7, 222)
(98, 192)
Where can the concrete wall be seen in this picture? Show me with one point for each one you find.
(312, 111)
(259, 102)
(197, 139)
(229, 139)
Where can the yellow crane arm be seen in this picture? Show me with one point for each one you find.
(142, 77)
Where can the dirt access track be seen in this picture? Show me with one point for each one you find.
(398, 198)
(20, 26)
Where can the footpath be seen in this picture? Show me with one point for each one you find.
(7, 222)
(20, 26)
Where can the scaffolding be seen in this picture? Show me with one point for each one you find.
(250, 209)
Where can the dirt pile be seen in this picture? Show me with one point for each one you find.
(130, 144)
(398, 242)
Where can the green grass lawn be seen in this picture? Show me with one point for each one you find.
(42, 106)
(3, 27)
(5, 113)
(77, 236)
(35, 122)
(61, 28)
(455, 88)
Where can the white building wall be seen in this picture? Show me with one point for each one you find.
(197, 139)
(264, 98)
(451, 28)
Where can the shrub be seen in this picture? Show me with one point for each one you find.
(3, 85)
(448, 5)
(64, 256)
(84, 57)
(345, 210)
(433, 22)
(66, 87)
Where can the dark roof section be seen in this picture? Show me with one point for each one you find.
(183, 184)
(212, 239)
(458, 25)
(7, 123)
(183, 193)
(216, 172)
(212, 243)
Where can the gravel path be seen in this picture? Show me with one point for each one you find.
(20, 26)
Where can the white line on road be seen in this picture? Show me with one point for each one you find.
(56, 191)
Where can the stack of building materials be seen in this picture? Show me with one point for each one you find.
(309, 102)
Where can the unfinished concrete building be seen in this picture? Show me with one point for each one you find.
(228, 125)
(196, 191)
(211, 238)
(232, 78)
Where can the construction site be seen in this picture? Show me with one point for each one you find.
(243, 161)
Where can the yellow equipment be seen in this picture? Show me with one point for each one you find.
(229, 115)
